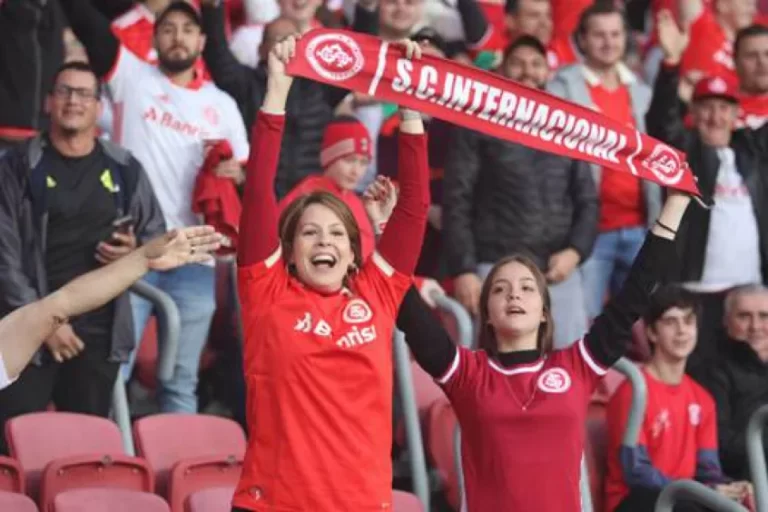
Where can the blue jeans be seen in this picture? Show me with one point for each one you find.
(568, 309)
(192, 288)
(608, 265)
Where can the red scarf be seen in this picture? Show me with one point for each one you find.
(216, 198)
(488, 103)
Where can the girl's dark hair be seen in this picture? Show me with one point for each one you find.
(487, 339)
(289, 221)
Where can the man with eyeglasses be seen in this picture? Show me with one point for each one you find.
(69, 203)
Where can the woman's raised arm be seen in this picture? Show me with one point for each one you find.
(258, 221)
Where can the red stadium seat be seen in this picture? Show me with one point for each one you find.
(595, 448)
(190, 452)
(108, 500)
(60, 451)
(146, 357)
(440, 426)
(213, 499)
(11, 479)
(12, 502)
(405, 502)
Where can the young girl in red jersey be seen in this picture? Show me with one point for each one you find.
(318, 323)
(522, 406)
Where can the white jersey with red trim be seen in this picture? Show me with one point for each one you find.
(165, 126)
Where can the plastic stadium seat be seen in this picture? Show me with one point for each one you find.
(190, 452)
(11, 479)
(405, 502)
(440, 426)
(12, 502)
(108, 500)
(60, 451)
(145, 369)
(213, 499)
(596, 455)
(426, 390)
(607, 386)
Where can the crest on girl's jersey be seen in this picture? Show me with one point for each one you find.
(554, 380)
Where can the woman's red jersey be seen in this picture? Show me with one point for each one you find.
(522, 427)
(319, 378)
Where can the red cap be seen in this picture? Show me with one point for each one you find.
(344, 136)
(715, 87)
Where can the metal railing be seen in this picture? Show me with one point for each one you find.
(168, 329)
(696, 492)
(639, 399)
(756, 456)
(466, 335)
(417, 458)
(634, 423)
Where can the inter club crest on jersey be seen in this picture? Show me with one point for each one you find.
(335, 57)
(554, 380)
(357, 312)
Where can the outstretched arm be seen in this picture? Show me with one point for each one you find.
(656, 263)
(23, 331)
(425, 336)
(258, 221)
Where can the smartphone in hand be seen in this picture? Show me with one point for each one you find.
(123, 224)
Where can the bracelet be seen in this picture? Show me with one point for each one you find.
(665, 227)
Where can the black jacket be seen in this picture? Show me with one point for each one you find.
(308, 110)
(739, 385)
(500, 197)
(24, 222)
(31, 50)
(664, 121)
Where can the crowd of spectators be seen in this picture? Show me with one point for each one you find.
(109, 110)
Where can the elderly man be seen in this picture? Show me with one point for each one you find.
(739, 382)
(725, 246)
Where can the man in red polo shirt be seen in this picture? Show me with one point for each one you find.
(751, 59)
(712, 31)
(627, 205)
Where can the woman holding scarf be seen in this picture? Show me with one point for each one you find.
(522, 406)
(318, 323)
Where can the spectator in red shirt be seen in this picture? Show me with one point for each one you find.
(628, 205)
(750, 53)
(678, 437)
(712, 31)
(521, 405)
(318, 322)
(344, 156)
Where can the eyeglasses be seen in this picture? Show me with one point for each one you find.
(81, 93)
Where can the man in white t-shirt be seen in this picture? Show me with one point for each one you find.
(727, 245)
(165, 114)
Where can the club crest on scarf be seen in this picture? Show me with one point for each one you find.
(665, 164)
(335, 57)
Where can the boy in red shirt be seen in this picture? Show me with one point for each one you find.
(345, 154)
(678, 438)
